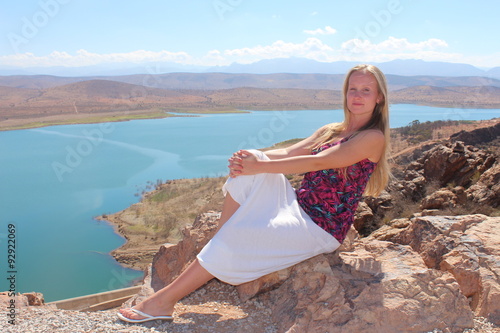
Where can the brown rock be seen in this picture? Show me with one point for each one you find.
(21, 300)
(172, 259)
(368, 284)
(363, 216)
(466, 246)
(274, 280)
(439, 200)
(478, 136)
(454, 163)
(35, 299)
(379, 287)
(487, 189)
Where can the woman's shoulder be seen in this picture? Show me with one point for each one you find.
(370, 134)
(328, 127)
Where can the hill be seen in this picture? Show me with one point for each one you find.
(451, 96)
(215, 81)
(47, 100)
(295, 65)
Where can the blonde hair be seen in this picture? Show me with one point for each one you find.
(379, 120)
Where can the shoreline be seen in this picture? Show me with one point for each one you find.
(159, 217)
(14, 124)
(97, 118)
(131, 254)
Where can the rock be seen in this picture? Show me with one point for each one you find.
(35, 299)
(439, 200)
(172, 259)
(378, 287)
(453, 163)
(478, 136)
(274, 280)
(363, 216)
(381, 204)
(487, 189)
(22, 300)
(466, 246)
(414, 275)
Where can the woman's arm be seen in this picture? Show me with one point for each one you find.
(300, 148)
(366, 145)
(297, 149)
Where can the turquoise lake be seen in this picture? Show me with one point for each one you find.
(55, 180)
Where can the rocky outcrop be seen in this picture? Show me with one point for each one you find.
(444, 198)
(172, 259)
(21, 300)
(413, 276)
(453, 163)
(468, 247)
(487, 189)
(436, 179)
(478, 136)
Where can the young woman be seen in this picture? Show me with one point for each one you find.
(265, 224)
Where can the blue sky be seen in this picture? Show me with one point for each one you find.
(219, 32)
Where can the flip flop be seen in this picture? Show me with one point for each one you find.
(143, 320)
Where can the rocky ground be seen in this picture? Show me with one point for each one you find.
(309, 296)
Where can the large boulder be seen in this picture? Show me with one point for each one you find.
(378, 287)
(466, 246)
(444, 198)
(454, 163)
(487, 189)
(416, 275)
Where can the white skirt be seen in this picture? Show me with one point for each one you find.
(268, 232)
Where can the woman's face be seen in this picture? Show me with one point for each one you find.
(362, 93)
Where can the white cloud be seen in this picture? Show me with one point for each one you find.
(397, 48)
(85, 58)
(392, 44)
(311, 48)
(326, 31)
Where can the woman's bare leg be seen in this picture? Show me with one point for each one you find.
(163, 301)
(228, 208)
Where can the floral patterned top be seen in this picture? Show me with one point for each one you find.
(330, 198)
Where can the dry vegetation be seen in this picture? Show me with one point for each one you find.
(102, 100)
(161, 215)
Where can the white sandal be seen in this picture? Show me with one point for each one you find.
(145, 319)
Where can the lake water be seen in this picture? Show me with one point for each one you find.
(54, 180)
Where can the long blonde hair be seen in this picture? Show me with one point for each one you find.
(379, 120)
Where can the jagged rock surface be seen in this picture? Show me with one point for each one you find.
(487, 190)
(466, 246)
(478, 136)
(416, 276)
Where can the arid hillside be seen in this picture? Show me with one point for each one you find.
(44, 100)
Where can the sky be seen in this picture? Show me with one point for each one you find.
(74, 33)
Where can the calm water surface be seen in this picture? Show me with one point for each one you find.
(54, 180)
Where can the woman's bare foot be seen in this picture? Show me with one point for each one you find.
(152, 306)
(163, 301)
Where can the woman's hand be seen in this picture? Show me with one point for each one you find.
(234, 165)
(242, 163)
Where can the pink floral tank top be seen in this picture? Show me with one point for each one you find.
(330, 198)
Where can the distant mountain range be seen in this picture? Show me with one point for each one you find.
(215, 81)
(271, 66)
